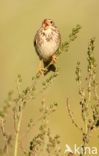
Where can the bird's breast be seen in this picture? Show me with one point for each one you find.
(48, 43)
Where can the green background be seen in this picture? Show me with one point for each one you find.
(19, 21)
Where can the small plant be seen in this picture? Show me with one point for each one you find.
(43, 142)
(89, 99)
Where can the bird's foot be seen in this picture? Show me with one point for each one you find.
(54, 59)
(41, 71)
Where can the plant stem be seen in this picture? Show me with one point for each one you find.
(17, 134)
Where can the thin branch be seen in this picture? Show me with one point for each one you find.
(17, 133)
(71, 115)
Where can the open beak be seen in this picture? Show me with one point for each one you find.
(45, 24)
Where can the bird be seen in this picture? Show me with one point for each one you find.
(47, 41)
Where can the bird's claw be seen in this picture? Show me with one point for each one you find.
(54, 59)
(41, 71)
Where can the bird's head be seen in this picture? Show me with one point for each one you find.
(47, 22)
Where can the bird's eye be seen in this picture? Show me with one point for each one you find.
(51, 22)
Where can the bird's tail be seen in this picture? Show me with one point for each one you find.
(49, 66)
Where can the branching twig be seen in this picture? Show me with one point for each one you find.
(71, 115)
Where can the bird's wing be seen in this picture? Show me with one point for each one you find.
(34, 41)
(35, 44)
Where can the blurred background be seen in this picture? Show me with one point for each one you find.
(19, 21)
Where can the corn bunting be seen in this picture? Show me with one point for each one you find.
(46, 42)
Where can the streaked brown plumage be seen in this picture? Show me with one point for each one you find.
(47, 41)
